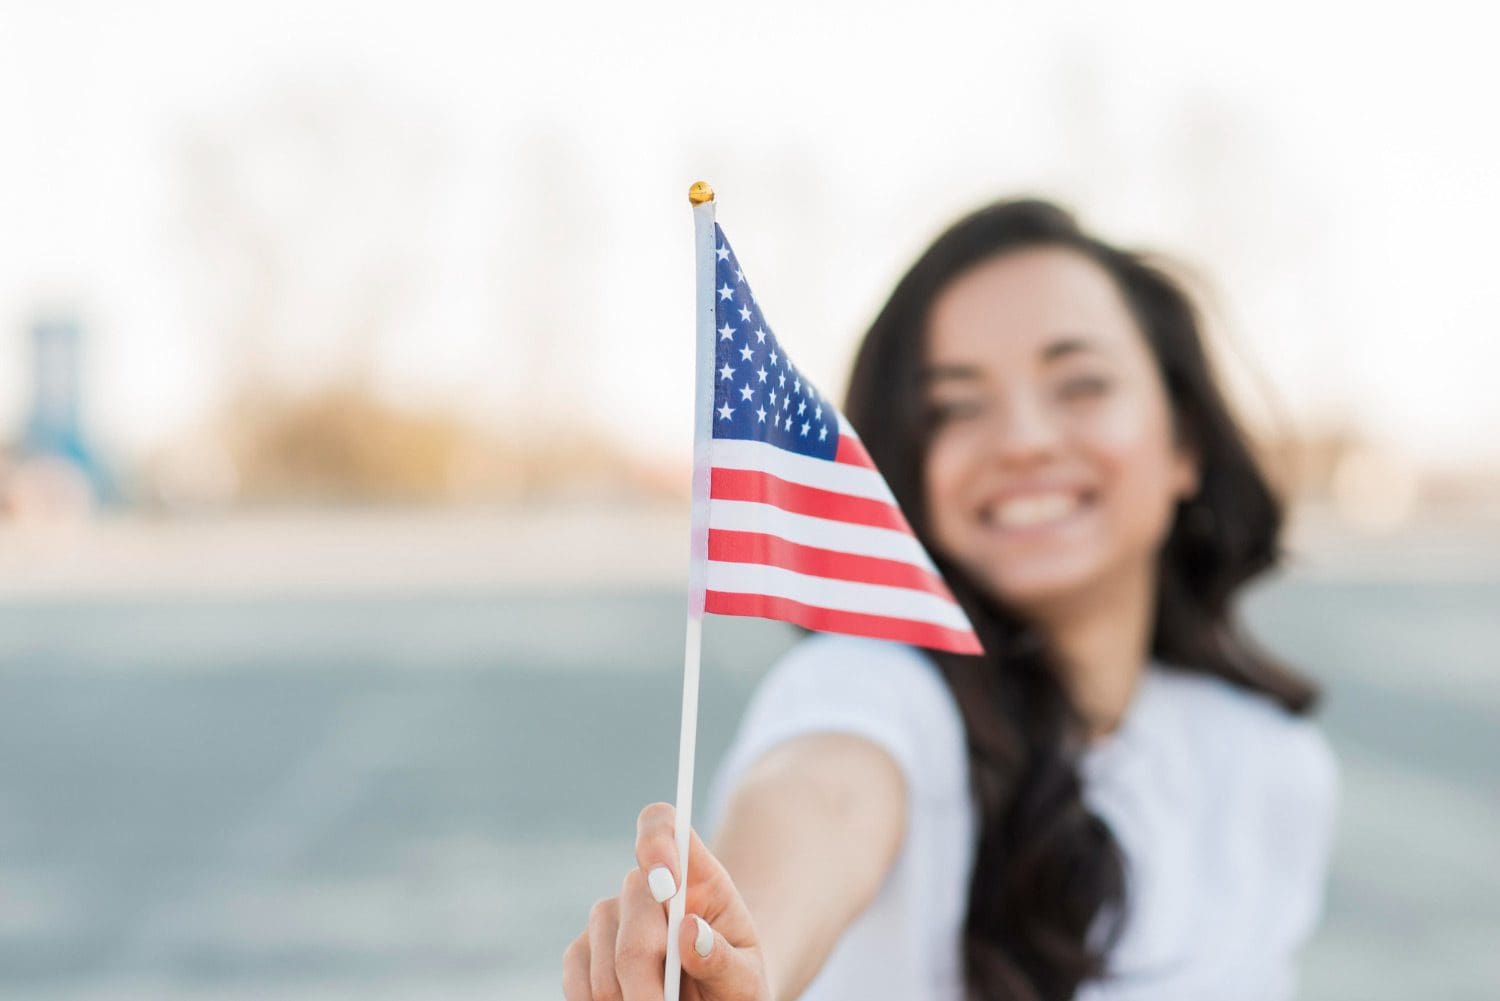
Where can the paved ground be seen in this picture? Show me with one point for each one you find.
(419, 796)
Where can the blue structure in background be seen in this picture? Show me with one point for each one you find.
(55, 425)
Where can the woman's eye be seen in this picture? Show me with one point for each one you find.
(942, 413)
(1084, 387)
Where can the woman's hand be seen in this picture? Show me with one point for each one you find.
(622, 954)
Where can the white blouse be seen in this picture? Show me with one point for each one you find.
(1221, 802)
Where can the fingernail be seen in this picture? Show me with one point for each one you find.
(703, 942)
(661, 883)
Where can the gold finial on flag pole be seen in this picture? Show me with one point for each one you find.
(700, 192)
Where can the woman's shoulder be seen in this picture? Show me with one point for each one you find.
(888, 693)
(1217, 702)
(1239, 729)
(853, 668)
(1267, 789)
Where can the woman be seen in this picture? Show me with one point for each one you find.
(1120, 800)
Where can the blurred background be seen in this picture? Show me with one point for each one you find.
(345, 394)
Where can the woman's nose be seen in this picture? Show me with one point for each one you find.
(1023, 431)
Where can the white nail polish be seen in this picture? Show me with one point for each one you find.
(703, 942)
(661, 883)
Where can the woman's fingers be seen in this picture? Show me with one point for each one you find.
(710, 890)
(717, 939)
(720, 970)
(656, 850)
(622, 954)
(604, 928)
(717, 967)
(641, 945)
(575, 981)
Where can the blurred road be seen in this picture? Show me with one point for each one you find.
(419, 793)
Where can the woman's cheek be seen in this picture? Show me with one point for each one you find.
(949, 464)
(944, 463)
(1126, 430)
(1133, 450)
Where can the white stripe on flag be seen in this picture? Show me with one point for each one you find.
(824, 533)
(842, 595)
(763, 457)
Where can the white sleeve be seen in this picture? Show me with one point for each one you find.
(890, 694)
(1307, 804)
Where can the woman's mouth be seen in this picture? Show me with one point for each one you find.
(1033, 510)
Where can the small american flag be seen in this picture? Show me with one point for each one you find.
(801, 525)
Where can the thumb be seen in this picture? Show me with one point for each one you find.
(721, 971)
(710, 892)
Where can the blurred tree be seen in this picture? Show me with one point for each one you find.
(308, 215)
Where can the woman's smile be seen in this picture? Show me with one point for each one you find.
(1034, 511)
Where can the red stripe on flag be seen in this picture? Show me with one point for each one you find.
(832, 620)
(726, 546)
(763, 488)
(851, 451)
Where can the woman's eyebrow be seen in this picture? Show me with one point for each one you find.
(959, 371)
(1068, 346)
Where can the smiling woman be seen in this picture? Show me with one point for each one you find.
(1043, 408)
(1118, 799)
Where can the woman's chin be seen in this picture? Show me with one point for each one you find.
(1043, 590)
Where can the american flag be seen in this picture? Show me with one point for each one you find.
(801, 525)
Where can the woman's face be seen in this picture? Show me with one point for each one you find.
(1051, 472)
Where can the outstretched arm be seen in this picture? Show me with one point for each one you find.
(809, 835)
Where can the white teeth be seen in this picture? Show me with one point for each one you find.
(1036, 509)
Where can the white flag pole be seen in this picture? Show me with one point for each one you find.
(702, 198)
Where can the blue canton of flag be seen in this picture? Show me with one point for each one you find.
(758, 392)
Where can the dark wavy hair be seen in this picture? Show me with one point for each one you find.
(1047, 895)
